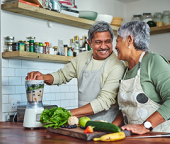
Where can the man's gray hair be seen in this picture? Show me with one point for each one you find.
(140, 32)
(99, 26)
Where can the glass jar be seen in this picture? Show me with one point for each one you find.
(55, 49)
(9, 39)
(136, 17)
(15, 46)
(27, 46)
(158, 19)
(166, 19)
(40, 47)
(146, 17)
(8, 46)
(36, 47)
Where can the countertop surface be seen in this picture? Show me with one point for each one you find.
(15, 133)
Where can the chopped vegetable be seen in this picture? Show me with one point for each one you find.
(54, 117)
(89, 129)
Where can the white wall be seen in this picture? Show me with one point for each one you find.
(160, 43)
(14, 71)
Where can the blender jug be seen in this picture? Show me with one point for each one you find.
(34, 108)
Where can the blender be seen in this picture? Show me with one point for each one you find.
(34, 108)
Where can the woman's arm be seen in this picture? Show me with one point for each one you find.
(118, 121)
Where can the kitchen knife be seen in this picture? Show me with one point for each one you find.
(153, 136)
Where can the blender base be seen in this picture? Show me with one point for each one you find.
(32, 117)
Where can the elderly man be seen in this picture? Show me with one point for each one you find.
(98, 73)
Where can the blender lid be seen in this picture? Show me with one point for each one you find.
(34, 82)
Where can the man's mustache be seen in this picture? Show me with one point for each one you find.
(103, 49)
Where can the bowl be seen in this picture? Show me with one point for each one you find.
(90, 15)
(104, 17)
(117, 21)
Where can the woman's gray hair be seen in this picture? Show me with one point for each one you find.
(99, 26)
(140, 32)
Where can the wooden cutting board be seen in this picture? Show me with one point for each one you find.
(77, 133)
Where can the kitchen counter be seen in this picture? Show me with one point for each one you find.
(14, 133)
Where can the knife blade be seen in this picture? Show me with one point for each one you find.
(153, 136)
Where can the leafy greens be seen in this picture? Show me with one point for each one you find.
(54, 117)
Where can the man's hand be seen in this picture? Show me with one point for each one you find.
(135, 128)
(35, 75)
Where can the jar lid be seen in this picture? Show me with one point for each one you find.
(137, 15)
(36, 43)
(21, 41)
(8, 43)
(47, 43)
(147, 13)
(30, 37)
(65, 45)
(44, 44)
(55, 47)
(9, 38)
(40, 44)
(27, 43)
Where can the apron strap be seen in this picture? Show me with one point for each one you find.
(88, 61)
(139, 64)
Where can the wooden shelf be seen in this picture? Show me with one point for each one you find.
(45, 14)
(31, 56)
(162, 29)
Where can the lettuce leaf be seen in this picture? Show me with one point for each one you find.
(54, 117)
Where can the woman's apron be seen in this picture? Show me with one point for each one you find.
(136, 107)
(89, 88)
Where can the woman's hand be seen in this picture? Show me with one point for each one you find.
(135, 128)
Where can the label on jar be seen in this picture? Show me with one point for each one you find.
(40, 49)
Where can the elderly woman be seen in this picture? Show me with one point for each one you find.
(144, 92)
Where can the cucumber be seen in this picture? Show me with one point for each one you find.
(103, 126)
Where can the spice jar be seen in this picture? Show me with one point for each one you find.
(36, 47)
(44, 48)
(65, 50)
(8, 47)
(40, 47)
(31, 45)
(146, 17)
(15, 46)
(166, 19)
(27, 46)
(55, 49)
(136, 17)
(9, 39)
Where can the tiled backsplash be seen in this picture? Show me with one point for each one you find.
(13, 85)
